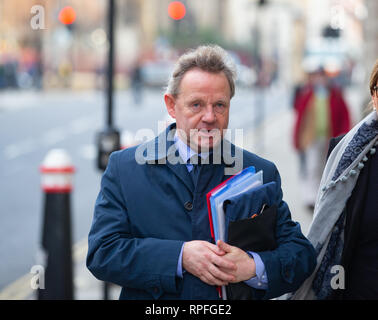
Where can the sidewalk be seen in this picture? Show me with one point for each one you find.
(86, 286)
(277, 148)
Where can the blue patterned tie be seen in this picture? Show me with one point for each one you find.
(195, 161)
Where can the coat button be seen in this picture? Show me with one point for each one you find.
(188, 205)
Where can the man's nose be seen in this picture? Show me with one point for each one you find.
(209, 114)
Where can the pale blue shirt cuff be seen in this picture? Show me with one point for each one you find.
(179, 263)
(260, 281)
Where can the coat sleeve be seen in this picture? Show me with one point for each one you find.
(294, 259)
(115, 256)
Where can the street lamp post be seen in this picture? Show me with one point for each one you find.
(110, 63)
(109, 139)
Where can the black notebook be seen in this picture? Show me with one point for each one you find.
(251, 234)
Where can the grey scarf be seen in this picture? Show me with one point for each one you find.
(339, 178)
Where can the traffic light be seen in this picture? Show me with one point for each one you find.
(67, 15)
(107, 142)
(176, 10)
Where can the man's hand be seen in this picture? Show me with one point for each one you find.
(206, 261)
(246, 267)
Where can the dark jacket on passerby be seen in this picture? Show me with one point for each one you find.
(145, 212)
(136, 76)
(359, 257)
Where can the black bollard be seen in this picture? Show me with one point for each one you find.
(57, 172)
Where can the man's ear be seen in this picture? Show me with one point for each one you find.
(170, 103)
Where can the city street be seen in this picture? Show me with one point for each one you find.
(30, 125)
(33, 124)
(74, 72)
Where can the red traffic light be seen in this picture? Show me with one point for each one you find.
(176, 10)
(67, 15)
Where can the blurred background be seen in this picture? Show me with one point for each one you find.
(54, 93)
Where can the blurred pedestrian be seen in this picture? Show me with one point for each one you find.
(151, 232)
(65, 72)
(296, 95)
(321, 113)
(345, 224)
(136, 79)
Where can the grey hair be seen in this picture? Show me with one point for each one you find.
(210, 58)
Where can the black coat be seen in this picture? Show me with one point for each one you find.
(355, 208)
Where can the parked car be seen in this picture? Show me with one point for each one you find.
(156, 73)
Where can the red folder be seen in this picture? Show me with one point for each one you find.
(241, 178)
(208, 195)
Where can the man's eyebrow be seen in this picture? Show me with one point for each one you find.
(194, 99)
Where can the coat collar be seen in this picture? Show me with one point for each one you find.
(185, 151)
(162, 148)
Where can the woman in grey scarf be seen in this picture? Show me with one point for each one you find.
(344, 230)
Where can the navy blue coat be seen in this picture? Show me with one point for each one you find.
(145, 212)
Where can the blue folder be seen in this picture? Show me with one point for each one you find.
(238, 184)
(249, 203)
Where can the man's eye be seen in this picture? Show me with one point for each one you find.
(220, 107)
(196, 106)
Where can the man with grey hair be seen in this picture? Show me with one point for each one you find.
(151, 233)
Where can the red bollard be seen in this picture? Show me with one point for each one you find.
(57, 173)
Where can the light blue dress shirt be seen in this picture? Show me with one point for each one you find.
(260, 281)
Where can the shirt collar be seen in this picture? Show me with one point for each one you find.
(185, 151)
(159, 148)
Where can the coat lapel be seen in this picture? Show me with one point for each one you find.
(182, 173)
(162, 150)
